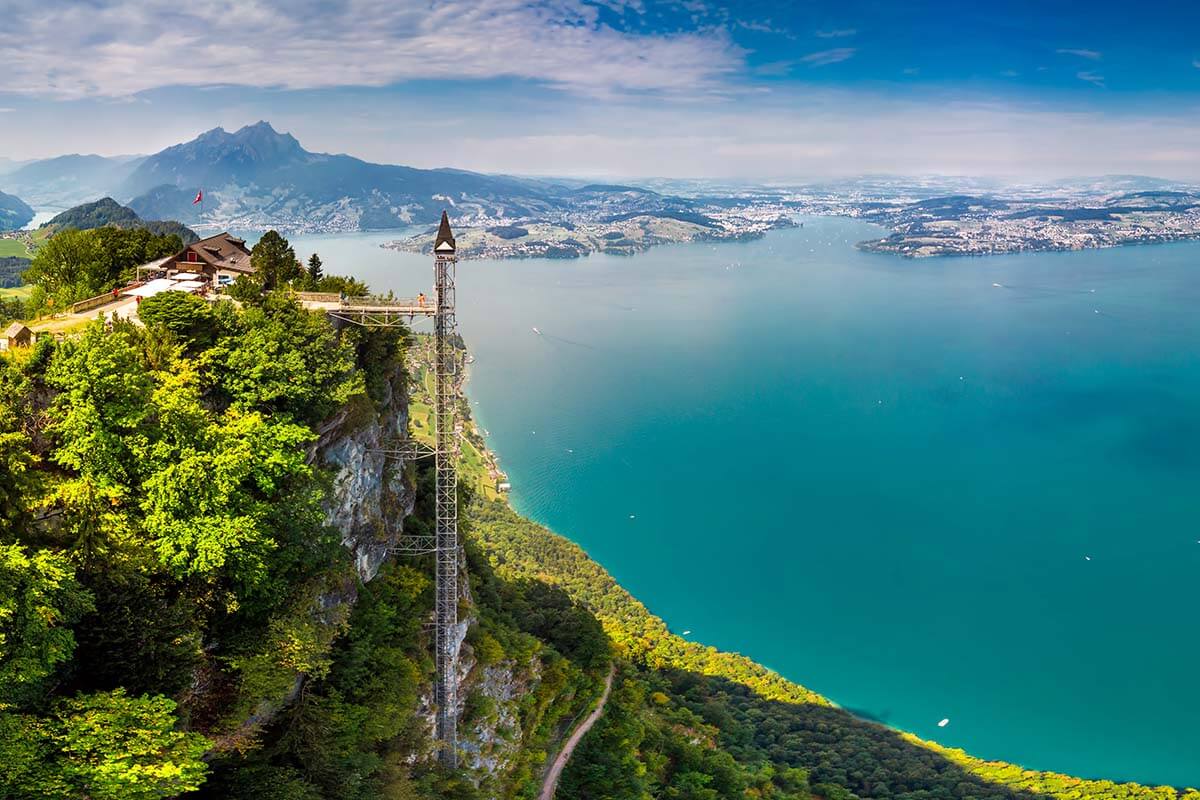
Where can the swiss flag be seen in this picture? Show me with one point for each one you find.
(199, 197)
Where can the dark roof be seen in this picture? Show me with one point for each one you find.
(444, 236)
(222, 251)
(15, 330)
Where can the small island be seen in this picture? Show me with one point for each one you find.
(581, 234)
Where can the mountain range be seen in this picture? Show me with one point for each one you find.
(257, 177)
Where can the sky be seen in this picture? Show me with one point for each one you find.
(622, 88)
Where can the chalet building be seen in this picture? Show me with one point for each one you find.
(221, 259)
(16, 335)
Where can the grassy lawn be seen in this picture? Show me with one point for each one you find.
(19, 292)
(13, 247)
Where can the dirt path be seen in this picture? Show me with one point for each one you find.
(564, 755)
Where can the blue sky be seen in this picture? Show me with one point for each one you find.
(680, 88)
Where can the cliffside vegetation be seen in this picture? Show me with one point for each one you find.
(180, 616)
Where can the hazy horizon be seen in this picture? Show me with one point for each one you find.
(1001, 180)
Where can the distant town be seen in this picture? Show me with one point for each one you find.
(1044, 218)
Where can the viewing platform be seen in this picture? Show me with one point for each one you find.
(375, 311)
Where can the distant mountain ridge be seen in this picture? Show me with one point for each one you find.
(66, 181)
(215, 158)
(107, 211)
(257, 177)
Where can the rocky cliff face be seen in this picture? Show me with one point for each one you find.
(369, 497)
(367, 502)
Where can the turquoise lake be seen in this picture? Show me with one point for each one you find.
(882, 478)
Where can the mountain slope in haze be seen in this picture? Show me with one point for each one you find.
(8, 165)
(258, 177)
(107, 211)
(69, 180)
(14, 212)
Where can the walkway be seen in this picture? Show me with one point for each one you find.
(124, 307)
(564, 755)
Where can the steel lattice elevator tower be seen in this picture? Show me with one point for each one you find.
(446, 531)
(391, 313)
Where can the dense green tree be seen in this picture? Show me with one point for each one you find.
(208, 502)
(337, 284)
(27, 769)
(13, 308)
(146, 634)
(101, 416)
(114, 747)
(15, 463)
(314, 269)
(68, 264)
(274, 261)
(188, 317)
(286, 359)
(246, 289)
(39, 601)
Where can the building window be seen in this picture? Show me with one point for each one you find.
(191, 256)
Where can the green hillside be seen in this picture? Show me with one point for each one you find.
(107, 211)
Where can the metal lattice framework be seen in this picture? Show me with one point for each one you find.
(443, 543)
(445, 694)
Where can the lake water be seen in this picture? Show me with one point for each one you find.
(882, 478)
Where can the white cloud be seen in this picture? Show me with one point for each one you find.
(1196, 63)
(836, 33)
(825, 57)
(7, 110)
(1091, 55)
(120, 47)
(1093, 78)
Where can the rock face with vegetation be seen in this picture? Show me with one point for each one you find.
(199, 598)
